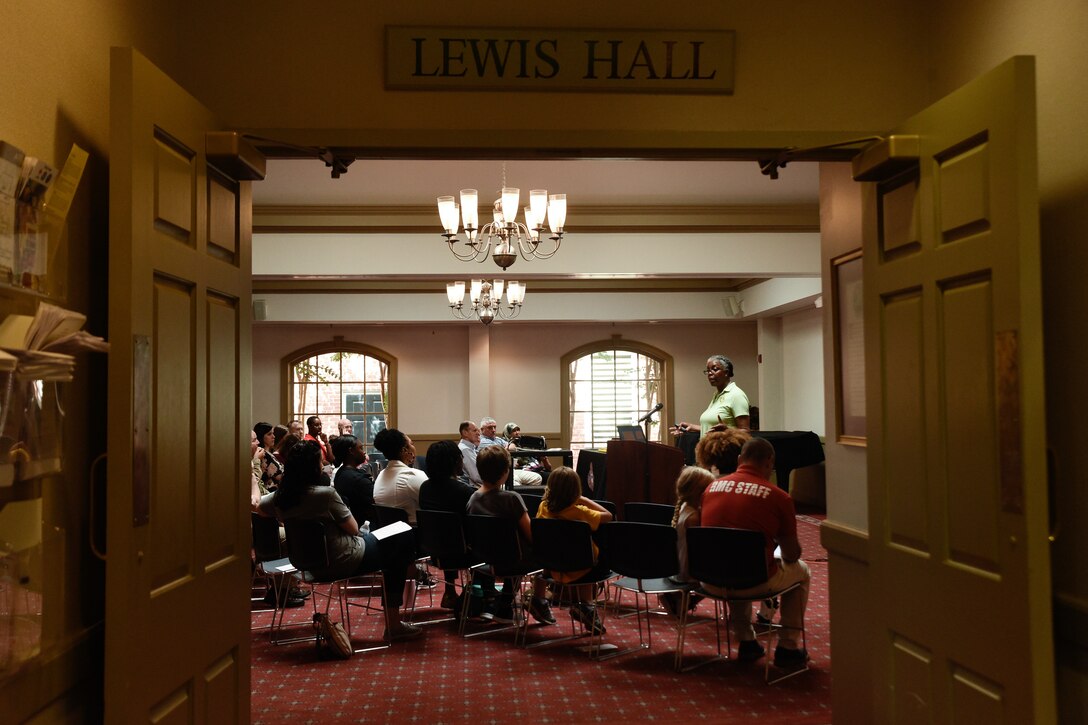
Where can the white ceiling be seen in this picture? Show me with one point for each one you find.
(585, 182)
(787, 262)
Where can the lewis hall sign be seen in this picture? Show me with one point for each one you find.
(503, 59)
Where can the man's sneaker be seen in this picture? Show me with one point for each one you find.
(587, 615)
(749, 650)
(541, 610)
(786, 658)
(501, 611)
(402, 631)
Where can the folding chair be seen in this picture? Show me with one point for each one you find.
(566, 546)
(308, 551)
(495, 541)
(275, 570)
(440, 534)
(648, 513)
(644, 555)
(608, 506)
(732, 559)
(386, 515)
(532, 502)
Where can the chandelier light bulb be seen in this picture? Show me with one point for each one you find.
(470, 208)
(455, 292)
(447, 211)
(511, 201)
(557, 212)
(532, 223)
(538, 202)
(496, 291)
(477, 287)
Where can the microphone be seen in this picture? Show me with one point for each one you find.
(649, 415)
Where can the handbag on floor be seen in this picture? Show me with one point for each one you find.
(333, 636)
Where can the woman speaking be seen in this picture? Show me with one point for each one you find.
(729, 406)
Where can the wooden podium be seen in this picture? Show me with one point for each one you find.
(641, 471)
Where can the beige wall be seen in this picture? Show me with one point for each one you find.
(434, 366)
(329, 65)
(803, 370)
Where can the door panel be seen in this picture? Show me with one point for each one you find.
(180, 292)
(957, 474)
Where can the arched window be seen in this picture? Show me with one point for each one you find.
(342, 379)
(611, 383)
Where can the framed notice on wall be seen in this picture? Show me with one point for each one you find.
(849, 331)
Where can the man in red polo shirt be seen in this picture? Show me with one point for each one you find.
(746, 499)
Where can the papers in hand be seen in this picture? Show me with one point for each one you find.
(398, 527)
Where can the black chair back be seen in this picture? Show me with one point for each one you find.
(306, 545)
(495, 541)
(648, 513)
(266, 537)
(728, 558)
(385, 515)
(607, 506)
(532, 503)
(639, 550)
(561, 545)
(441, 535)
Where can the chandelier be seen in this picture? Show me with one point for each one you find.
(485, 300)
(504, 237)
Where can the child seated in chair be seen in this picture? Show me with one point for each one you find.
(563, 499)
(690, 486)
(493, 465)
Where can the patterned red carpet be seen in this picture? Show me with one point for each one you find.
(441, 678)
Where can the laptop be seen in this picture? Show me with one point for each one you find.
(537, 443)
(631, 433)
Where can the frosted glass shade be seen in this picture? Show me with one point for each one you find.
(447, 212)
(455, 292)
(511, 200)
(557, 211)
(470, 209)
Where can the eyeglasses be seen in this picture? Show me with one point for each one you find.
(708, 371)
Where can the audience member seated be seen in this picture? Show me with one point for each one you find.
(302, 497)
(746, 499)
(284, 446)
(271, 468)
(353, 483)
(398, 484)
(491, 500)
(540, 465)
(489, 437)
(690, 486)
(313, 433)
(442, 491)
(563, 499)
(469, 446)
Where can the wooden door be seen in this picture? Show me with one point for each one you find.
(177, 614)
(957, 457)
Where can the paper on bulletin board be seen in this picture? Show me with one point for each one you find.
(58, 201)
